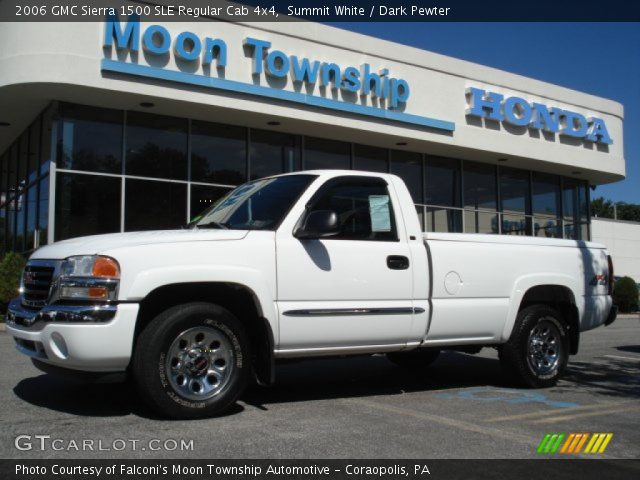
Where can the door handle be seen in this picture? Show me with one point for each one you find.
(397, 262)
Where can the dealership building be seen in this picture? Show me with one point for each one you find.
(125, 125)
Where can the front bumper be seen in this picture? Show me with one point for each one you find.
(88, 339)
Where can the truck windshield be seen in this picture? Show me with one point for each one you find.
(258, 205)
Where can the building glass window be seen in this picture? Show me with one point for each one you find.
(21, 193)
(408, 166)
(31, 198)
(34, 150)
(442, 219)
(8, 177)
(4, 165)
(370, 159)
(11, 193)
(21, 219)
(546, 227)
(442, 195)
(3, 229)
(546, 205)
(583, 210)
(515, 199)
(479, 186)
(154, 205)
(86, 205)
(23, 160)
(90, 139)
(3, 199)
(320, 154)
(480, 198)
(570, 208)
(480, 221)
(43, 211)
(450, 195)
(546, 194)
(12, 180)
(218, 153)
(156, 146)
(10, 224)
(46, 135)
(442, 182)
(271, 153)
(204, 196)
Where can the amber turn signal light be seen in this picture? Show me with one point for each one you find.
(98, 293)
(106, 267)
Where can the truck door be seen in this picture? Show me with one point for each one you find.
(354, 288)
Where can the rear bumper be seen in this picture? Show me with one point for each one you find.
(92, 346)
(613, 314)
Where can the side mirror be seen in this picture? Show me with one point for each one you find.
(318, 224)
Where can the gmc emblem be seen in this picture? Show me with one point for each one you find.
(29, 277)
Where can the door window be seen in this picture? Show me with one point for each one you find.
(363, 206)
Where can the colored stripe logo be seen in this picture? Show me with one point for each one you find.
(573, 443)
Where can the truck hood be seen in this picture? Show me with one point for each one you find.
(99, 243)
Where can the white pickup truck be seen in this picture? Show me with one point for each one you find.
(305, 264)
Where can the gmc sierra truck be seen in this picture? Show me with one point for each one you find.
(312, 263)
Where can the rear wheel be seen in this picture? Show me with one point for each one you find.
(191, 361)
(414, 359)
(537, 353)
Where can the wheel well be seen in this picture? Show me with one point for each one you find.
(561, 299)
(238, 299)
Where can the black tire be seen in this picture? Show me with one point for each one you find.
(414, 359)
(155, 375)
(529, 360)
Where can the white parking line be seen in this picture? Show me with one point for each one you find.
(546, 413)
(442, 420)
(605, 411)
(635, 359)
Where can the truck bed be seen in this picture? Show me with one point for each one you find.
(489, 275)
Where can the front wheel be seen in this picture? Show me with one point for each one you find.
(191, 361)
(537, 353)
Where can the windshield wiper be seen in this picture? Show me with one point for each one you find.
(220, 225)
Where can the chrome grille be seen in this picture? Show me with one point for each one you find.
(36, 282)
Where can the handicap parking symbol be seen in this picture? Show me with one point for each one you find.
(512, 396)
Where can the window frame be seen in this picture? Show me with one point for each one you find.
(60, 189)
(335, 181)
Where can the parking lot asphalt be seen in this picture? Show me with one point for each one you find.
(361, 407)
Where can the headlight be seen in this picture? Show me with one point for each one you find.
(88, 277)
(90, 266)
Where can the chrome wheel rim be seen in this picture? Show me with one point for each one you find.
(199, 363)
(544, 348)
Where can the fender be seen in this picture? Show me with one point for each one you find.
(148, 280)
(525, 283)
